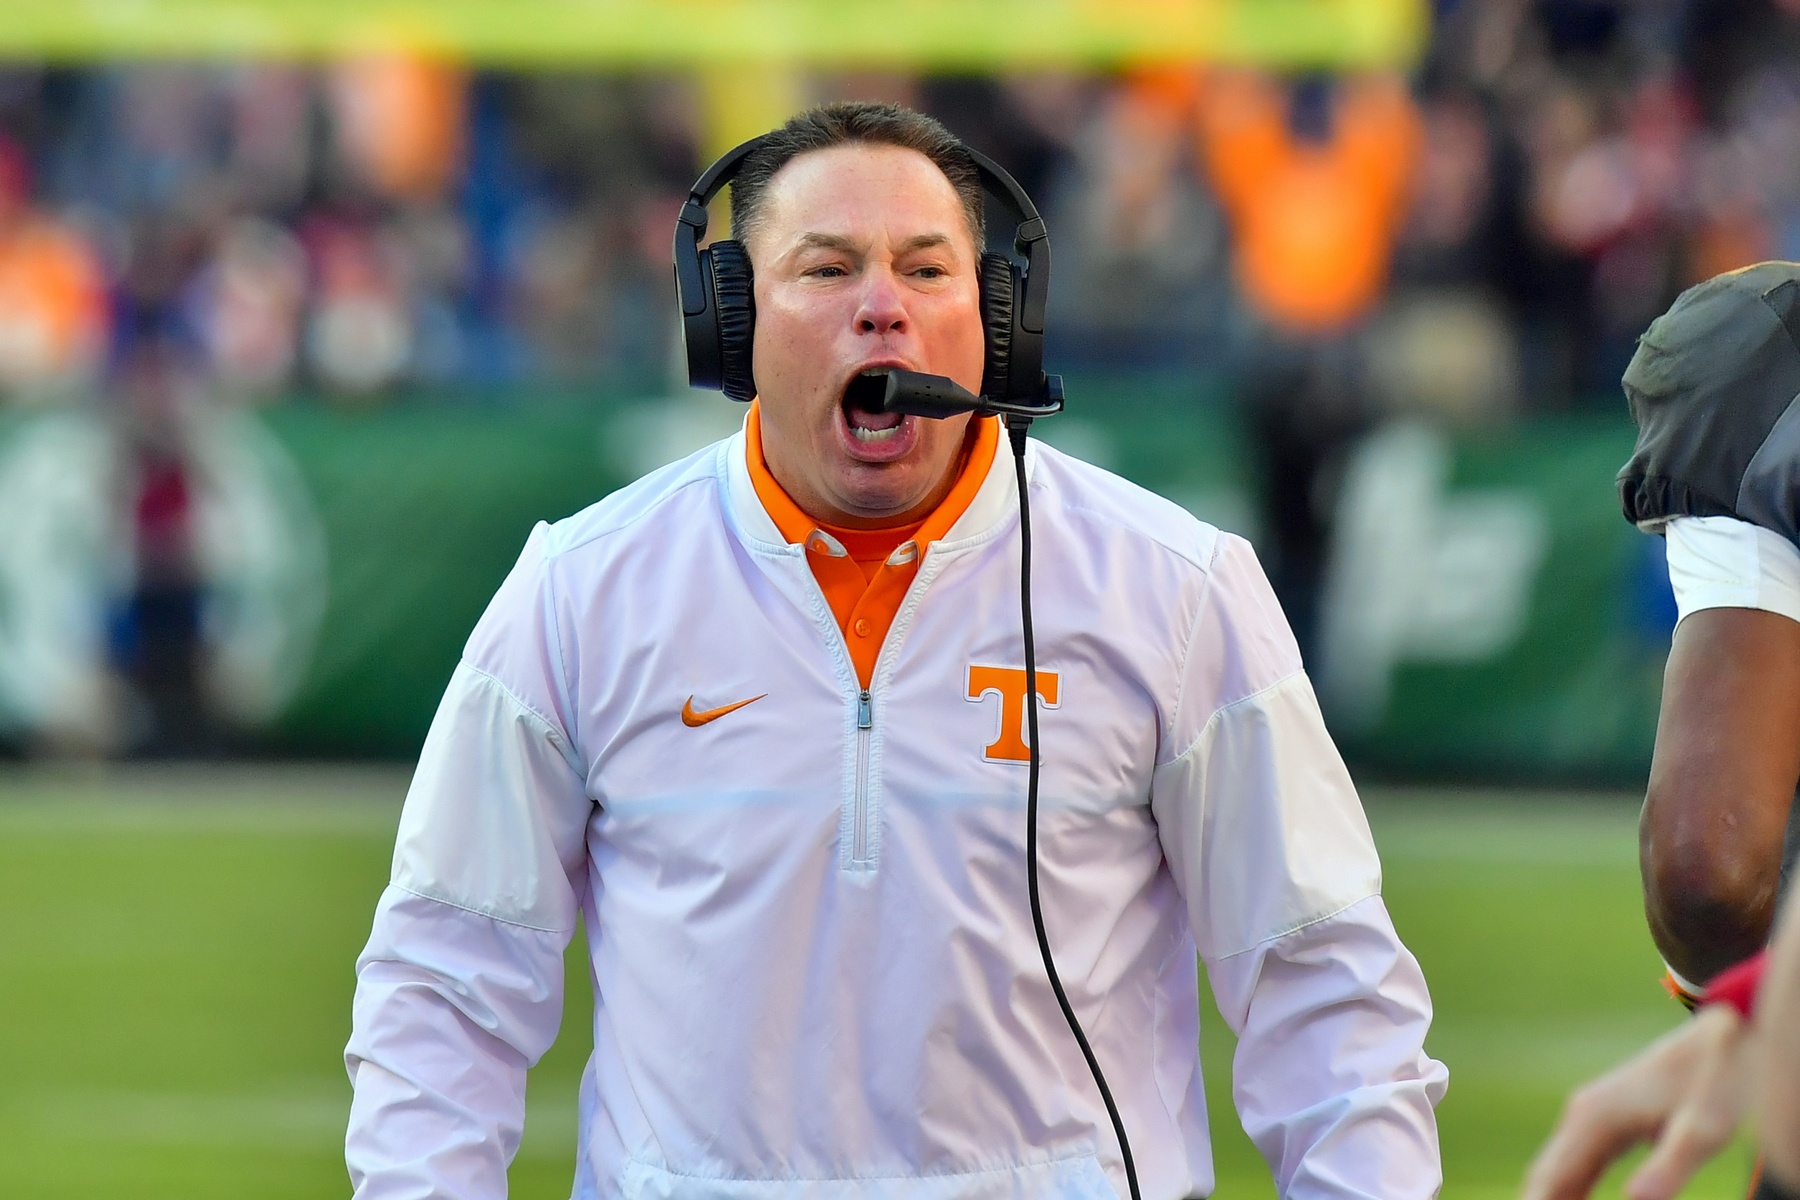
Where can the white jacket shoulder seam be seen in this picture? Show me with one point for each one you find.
(552, 730)
(554, 629)
(1225, 710)
(1302, 924)
(473, 911)
(621, 524)
(1187, 651)
(1077, 506)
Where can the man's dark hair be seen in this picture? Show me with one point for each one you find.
(853, 122)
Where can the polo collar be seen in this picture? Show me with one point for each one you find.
(995, 500)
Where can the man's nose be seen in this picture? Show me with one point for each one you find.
(882, 309)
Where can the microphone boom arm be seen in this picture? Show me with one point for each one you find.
(918, 394)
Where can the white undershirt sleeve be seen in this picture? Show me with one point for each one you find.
(1722, 562)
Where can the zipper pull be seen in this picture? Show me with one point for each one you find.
(865, 711)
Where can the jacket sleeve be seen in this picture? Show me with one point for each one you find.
(1267, 840)
(460, 987)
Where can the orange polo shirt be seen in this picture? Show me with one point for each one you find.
(864, 573)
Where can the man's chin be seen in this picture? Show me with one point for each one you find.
(884, 492)
(886, 481)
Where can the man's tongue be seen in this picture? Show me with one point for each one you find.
(861, 418)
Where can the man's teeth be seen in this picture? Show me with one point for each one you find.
(862, 408)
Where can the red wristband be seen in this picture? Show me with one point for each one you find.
(1737, 985)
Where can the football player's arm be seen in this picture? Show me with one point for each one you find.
(1727, 752)
(460, 986)
(1267, 841)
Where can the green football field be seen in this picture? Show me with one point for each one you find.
(176, 955)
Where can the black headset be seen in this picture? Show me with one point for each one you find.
(718, 309)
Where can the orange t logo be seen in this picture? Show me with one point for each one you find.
(1009, 684)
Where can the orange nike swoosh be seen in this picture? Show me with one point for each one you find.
(693, 720)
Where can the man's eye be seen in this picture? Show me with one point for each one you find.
(930, 272)
(829, 272)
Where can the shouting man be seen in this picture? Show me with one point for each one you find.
(757, 718)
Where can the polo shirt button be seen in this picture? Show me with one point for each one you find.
(862, 627)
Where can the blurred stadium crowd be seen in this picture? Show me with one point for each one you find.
(1500, 225)
(1477, 240)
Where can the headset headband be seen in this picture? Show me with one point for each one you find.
(690, 226)
(1030, 225)
(1030, 239)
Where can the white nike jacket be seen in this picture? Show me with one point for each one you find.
(814, 970)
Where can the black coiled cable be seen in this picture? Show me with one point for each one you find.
(1016, 427)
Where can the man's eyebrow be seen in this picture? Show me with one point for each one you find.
(838, 242)
(828, 241)
(924, 241)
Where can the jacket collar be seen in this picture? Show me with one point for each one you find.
(995, 501)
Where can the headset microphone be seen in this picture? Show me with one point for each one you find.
(937, 396)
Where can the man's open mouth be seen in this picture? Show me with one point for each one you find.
(862, 407)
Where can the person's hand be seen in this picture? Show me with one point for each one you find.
(1687, 1093)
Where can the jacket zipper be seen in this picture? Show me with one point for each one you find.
(859, 829)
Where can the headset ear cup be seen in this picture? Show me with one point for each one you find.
(736, 300)
(999, 284)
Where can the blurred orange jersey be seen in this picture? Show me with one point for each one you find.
(1315, 221)
(52, 303)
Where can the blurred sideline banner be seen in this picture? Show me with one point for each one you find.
(917, 34)
(1487, 614)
